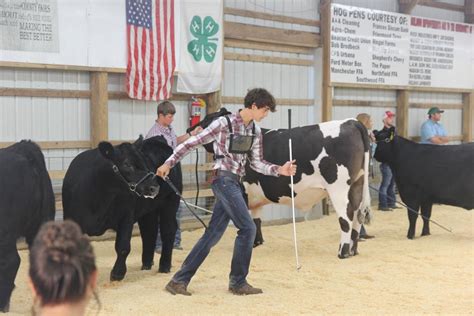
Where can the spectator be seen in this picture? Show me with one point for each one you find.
(387, 190)
(165, 115)
(432, 132)
(62, 274)
(366, 120)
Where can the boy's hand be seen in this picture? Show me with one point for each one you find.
(163, 170)
(288, 169)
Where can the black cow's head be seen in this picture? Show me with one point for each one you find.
(385, 139)
(208, 119)
(130, 166)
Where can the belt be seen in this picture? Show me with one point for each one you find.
(225, 173)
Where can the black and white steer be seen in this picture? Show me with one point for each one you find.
(332, 160)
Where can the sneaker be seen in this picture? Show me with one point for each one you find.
(177, 247)
(366, 236)
(245, 289)
(385, 209)
(177, 288)
(158, 250)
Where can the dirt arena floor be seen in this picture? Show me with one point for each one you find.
(392, 275)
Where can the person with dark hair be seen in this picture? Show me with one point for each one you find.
(63, 273)
(165, 112)
(236, 139)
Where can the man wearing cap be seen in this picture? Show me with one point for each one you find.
(387, 190)
(432, 132)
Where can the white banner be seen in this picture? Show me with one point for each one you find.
(377, 47)
(201, 46)
(29, 25)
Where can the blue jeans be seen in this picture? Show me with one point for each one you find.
(386, 190)
(177, 238)
(230, 205)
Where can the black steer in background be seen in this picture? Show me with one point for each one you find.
(26, 202)
(332, 160)
(114, 187)
(427, 174)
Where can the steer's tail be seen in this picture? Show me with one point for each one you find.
(365, 211)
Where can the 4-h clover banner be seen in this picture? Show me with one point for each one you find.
(201, 46)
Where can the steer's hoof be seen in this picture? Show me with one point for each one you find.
(6, 308)
(343, 256)
(164, 270)
(425, 234)
(116, 277)
(147, 266)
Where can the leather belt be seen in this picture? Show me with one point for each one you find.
(225, 173)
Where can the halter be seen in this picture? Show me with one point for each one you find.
(131, 185)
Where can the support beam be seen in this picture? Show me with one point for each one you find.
(99, 108)
(255, 33)
(402, 112)
(441, 5)
(406, 6)
(325, 14)
(468, 117)
(469, 11)
(326, 91)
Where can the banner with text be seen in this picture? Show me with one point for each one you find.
(386, 48)
(29, 25)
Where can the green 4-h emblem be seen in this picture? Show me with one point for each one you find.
(203, 44)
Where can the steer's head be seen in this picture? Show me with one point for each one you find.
(385, 139)
(208, 119)
(130, 167)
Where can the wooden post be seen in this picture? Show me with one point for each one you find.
(468, 11)
(402, 112)
(467, 116)
(99, 108)
(325, 16)
(406, 6)
(326, 91)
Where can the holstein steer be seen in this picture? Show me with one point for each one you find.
(114, 187)
(332, 160)
(26, 201)
(427, 174)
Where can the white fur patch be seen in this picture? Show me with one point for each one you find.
(332, 128)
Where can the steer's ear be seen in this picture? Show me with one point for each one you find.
(139, 142)
(107, 150)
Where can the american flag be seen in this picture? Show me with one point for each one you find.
(151, 56)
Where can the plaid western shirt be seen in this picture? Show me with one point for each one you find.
(218, 132)
(167, 132)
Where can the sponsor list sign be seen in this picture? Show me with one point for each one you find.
(29, 25)
(385, 48)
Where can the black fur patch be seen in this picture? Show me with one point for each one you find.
(328, 169)
(354, 234)
(344, 225)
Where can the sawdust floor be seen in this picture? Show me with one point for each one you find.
(392, 275)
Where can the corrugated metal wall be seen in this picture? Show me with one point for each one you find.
(54, 119)
(45, 119)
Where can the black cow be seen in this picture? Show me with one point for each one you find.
(114, 187)
(427, 174)
(332, 159)
(26, 201)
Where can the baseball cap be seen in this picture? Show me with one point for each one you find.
(434, 110)
(388, 114)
